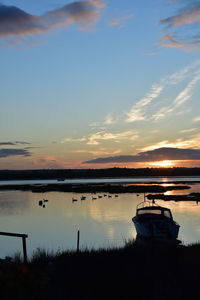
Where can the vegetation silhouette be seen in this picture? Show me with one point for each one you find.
(156, 271)
(94, 188)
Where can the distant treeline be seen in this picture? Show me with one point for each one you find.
(95, 173)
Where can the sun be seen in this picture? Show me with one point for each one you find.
(163, 163)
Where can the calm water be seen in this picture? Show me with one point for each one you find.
(102, 180)
(102, 222)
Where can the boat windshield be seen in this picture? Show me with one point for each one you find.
(166, 213)
(148, 211)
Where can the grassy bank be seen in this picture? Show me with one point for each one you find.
(132, 272)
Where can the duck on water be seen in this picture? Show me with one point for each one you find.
(155, 222)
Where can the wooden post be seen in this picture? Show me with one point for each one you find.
(23, 236)
(24, 249)
(78, 240)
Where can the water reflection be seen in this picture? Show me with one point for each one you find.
(102, 223)
(13, 203)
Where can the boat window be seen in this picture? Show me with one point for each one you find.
(148, 211)
(167, 214)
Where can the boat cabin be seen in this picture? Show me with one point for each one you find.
(154, 210)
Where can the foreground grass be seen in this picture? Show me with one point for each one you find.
(132, 272)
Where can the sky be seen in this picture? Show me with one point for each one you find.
(99, 84)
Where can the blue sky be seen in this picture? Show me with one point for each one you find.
(97, 79)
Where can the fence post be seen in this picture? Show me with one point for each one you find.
(23, 236)
(78, 240)
(24, 249)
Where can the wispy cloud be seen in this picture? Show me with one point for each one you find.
(68, 139)
(136, 113)
(94, 139)
(148, 156)
(140, 110)
(181, 98)
(176, 42)
(189, 16)
(101, 151)
(151, 53)
(22, 143)
(108, 120)
(103, 135)
(121, 21)
(196, 119)
(188, 130)
(184, 19)
(17, 23)
(184, 73)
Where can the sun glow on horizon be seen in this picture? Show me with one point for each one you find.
(163, 163)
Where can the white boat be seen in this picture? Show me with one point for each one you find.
(153, 221)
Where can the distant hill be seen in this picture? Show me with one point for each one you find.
(95, 173)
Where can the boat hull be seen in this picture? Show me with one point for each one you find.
(156, 228)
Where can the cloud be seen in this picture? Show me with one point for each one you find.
(94, 139)
(45, 162)
(108, 120)
(81, 12)
(154, 155)
(22, 143)
(143, 109)
(188, 130)
(186, 93)
(7, 144)
(101, 151)
(13, 143)
(140, 110)
(151, 53)
(172, 41)
(196, 119)
(14, 21)
(17, 23)
(136, 113)
(192, 142)
(66, 140)
(166, 37)
(14, 152)
(183, 22)
(190, 16)
(184, 73)
(181, 98)
(103, 135)
(121, 21)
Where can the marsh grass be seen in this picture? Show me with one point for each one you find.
(156, 271)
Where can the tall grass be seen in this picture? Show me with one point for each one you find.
(155, 271)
